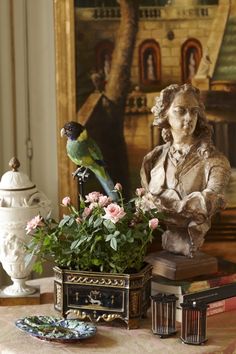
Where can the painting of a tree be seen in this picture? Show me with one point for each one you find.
(106, 123)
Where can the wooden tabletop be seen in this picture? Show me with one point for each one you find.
(221, 333)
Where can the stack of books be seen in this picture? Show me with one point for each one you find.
(218, 290)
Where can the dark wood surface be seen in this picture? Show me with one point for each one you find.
(178, 267)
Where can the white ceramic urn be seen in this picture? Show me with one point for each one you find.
(20, 201)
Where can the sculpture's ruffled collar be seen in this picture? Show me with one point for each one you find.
(178, 155)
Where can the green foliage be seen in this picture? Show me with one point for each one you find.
(102, 235)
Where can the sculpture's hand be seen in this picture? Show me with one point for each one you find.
(147, 202)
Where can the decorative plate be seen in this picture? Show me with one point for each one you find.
(56, 329)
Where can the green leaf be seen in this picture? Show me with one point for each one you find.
(90, 221)
(81, 202)
(98, 237)
(98, 222)
(71, 222)
(108, 237)
(123, 237)
(75, 244)
(96, 261)
(37, 267)
(109, 225)
(116, 233)
(63, 221)
(129, 233)
(113, 243)
(112, 265)
(46, 241)
(75, 211)
(68, 263)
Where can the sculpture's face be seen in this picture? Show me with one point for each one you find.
(183, 114)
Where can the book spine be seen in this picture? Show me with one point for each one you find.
(213, 294)
(208, 284)
(214, 308)
(221, 306)
(195, 286)
(215, 311)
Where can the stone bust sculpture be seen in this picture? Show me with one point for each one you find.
(185, 178)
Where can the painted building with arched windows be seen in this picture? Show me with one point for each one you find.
(172, 37)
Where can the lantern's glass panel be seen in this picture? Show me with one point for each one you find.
(163, 314)
(193, 329)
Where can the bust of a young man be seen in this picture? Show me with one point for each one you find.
(186, 177)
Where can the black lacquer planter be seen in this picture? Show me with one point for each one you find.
(103, 296)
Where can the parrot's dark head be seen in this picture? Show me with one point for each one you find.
(72, 130)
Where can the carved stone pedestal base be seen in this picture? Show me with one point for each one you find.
(179, 267)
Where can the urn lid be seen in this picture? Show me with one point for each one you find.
(14, 180)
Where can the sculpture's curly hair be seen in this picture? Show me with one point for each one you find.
(203, 130)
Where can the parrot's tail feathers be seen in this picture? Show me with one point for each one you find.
(108, 186)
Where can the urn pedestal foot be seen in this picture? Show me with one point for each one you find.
(18, 288)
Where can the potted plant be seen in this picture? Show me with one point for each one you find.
(99, 254)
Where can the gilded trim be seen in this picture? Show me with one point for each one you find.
(95, 281)
(66, 90)
(83, 315)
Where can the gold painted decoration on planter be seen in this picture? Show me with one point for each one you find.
(101, 301)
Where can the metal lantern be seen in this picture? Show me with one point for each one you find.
(163, 314)
(193, 329)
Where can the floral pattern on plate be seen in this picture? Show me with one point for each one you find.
(56, 329)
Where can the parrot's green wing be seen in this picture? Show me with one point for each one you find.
(94, 150)
(86, 153)
(79, 153)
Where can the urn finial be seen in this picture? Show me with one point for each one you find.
(14, 163)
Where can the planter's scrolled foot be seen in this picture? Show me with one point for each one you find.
(133, 324)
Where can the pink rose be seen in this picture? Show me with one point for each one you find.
(92, 197)
(114, 213)
(153, 223)
(140, 192)
(86, 212)
(78, 220)
(118, 187)
(104, 201)
(66, 201)
(93, 205)
(34, 223)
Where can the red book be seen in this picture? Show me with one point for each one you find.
(214, 308)
(221, 306)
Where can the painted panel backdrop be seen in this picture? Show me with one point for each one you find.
(174, 43)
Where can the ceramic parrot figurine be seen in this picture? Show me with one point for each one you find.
(85, 153)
